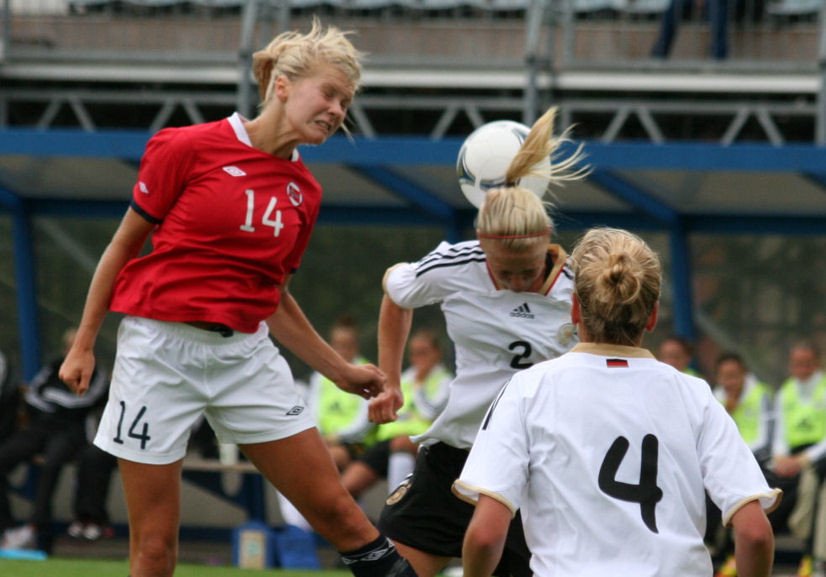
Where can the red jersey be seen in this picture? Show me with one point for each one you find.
(232, 222)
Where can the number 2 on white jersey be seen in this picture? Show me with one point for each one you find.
(267, 219)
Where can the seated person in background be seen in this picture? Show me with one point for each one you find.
(678, 352)
(341, 417)
(94, 473)
(799, 451)
(750, 404)
(9, 399)
(425, 388)
(56, 430)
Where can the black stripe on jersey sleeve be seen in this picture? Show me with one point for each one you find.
(493, 405)
(453, 252)
(441, 264)
(143, 213)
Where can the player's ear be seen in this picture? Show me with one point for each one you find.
(652, 320)
(282, 87)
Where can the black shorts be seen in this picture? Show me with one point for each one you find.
(377, 457)
(423, 512)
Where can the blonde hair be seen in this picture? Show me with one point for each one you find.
(514, 215)
(617, 283)
(296, 55)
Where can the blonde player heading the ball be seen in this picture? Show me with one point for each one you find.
(230, 207)
(506, 300)
(608, 451)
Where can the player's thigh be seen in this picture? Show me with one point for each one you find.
(424, 564)
(153, 498)
(301, 469)
(422, 512)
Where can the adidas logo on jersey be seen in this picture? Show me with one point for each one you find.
(523, 311)
(234, 171)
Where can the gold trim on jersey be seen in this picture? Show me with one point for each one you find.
(776, 494)
(608, 350)
(559, 257)
(387, 273)
(480, 491)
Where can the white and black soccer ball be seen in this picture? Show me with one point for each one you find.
(484, 158)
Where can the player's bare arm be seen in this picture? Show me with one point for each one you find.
(126, 244)
(394, 328)
(291, 328)
(485, 537)
(753, 541)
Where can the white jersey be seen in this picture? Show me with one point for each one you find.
(496, 332)
(607, 453)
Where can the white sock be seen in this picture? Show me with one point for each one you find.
(399, 466)
(291, 515)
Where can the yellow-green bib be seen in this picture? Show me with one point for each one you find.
(805, 423)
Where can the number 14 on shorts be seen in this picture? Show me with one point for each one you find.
(137, 430)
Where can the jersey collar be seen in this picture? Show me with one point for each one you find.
(607, 350)
(236, 121)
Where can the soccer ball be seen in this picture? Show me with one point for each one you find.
(484, 158)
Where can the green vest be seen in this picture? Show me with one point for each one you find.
(805, 423)
(337, 409)
(747, 415)
(410, 422)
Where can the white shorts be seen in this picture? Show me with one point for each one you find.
(167, 375)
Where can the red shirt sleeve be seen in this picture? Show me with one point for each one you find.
(163, 173)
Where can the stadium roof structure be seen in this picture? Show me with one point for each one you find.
(675, 188)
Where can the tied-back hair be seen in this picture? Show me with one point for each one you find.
(296, 55)
(515, 216)
(617, 284)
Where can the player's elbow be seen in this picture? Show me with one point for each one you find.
(752, 528)
(484, 539)
(759, 537)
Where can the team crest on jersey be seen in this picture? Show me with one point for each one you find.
(565, 334)
(234, 171)
(294, 194)
(523, 311)
(399, 493)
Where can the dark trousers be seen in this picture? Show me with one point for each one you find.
(57, 449)
(718, 21)
(94, 471)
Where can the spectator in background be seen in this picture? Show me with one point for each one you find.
(94, 473)
(717, 14)
(341, 417)
(425, 388)
(750, 404)
(57, 430)
(678, 352)
(748, 401)
(9, 399)
(799, 450)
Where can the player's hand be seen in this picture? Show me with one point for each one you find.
(76, 370)
(385, 407)
(363, 380)
(788, 466)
